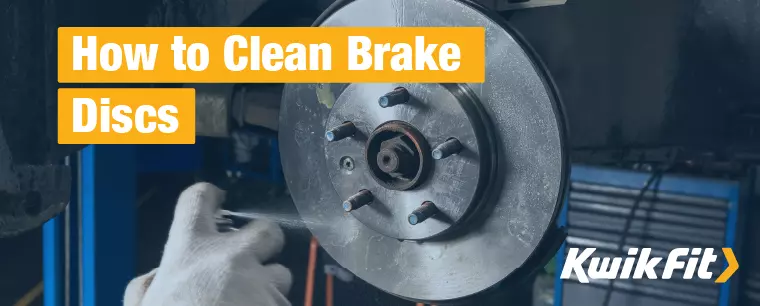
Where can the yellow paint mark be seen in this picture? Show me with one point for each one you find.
(325, 95)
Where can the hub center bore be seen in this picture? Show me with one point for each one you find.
(398, 156)
(389, 161)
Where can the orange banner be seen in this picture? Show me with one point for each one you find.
(271, 55)
(126, 116)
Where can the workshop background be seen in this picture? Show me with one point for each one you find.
(647, 85)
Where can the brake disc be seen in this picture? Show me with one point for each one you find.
(431, 192)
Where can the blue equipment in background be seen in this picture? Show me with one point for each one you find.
(89, 250)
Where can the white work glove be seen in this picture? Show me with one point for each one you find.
(203, 267)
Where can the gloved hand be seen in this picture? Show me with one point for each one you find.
(203, 267)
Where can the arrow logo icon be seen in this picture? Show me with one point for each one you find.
(733, 265)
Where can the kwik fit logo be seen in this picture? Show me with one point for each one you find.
(639, 264)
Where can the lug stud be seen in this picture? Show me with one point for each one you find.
(446, 149)
(422, 213)
(398, 96)
(340, 132)
(358, 200)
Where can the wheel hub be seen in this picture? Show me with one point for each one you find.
(393, 145)
(398, 156)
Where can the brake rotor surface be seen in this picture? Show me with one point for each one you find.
(431, 192)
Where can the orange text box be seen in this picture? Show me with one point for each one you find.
(271, 55)
(126, 116)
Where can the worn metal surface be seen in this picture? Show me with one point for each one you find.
(523, 109)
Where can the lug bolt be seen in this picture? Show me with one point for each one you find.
(358, 200)
(446, 149)
(398, 96)
(339, 132)
(422, 213)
